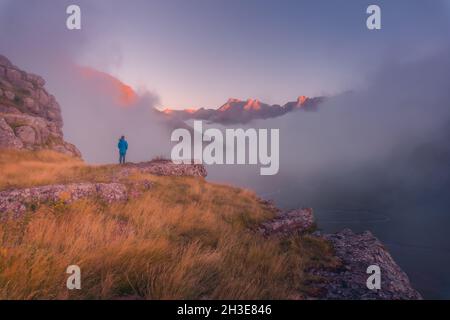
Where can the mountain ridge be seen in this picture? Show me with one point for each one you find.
(236, 111)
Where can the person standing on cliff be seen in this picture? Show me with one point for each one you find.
(123, 147)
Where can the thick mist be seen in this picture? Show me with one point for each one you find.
(33, 36)
(95, 118)
(373, 159)
(404, 107)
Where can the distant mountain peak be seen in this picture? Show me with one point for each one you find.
(301, 100)
(252, 104)
(239, 111)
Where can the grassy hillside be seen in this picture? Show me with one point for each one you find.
(183, 239)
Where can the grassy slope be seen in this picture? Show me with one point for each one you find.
(184, 239)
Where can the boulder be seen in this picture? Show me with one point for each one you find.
(295, 221)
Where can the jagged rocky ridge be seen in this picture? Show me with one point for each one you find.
(30, 117)
(236, 111)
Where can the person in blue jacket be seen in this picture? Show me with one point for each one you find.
(123, 147)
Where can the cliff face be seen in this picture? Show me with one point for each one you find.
(30, 117)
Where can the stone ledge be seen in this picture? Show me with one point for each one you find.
(164, 168)
(16, 201)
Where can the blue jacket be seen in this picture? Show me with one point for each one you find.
(123, 146)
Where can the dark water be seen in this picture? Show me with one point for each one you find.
(417, 239)
(415, 229)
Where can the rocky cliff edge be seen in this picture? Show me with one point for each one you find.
(30, 117)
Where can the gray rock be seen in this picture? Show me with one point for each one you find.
(13, 75)
(7, 137)
(164, 168)
(9, 95)
(43, 98)
(24, 85)
(26, 134)
(295, 221)
(17, 201)
(8, 110)
(37, 80)
(31, 105)
(36, 110)
(357, 252)
(5, 61)
(67, 148)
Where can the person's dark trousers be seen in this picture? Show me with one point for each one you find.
(122, 158)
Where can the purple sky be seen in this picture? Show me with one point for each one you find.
(198, 53)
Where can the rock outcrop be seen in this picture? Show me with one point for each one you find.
(356, 252)
(163, 168)
(298, 221)
(30, 117)
(17, 201)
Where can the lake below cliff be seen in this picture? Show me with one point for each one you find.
(414, 227)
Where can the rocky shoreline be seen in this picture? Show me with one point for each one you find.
(356, 252)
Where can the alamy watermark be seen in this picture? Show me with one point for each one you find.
(374, 280)
(73, 21)
(373, 22)
(239, 146)
(74, 280)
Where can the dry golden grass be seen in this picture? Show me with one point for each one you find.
(183, 239)
(27, 168)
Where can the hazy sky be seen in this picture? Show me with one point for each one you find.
(198, 53)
